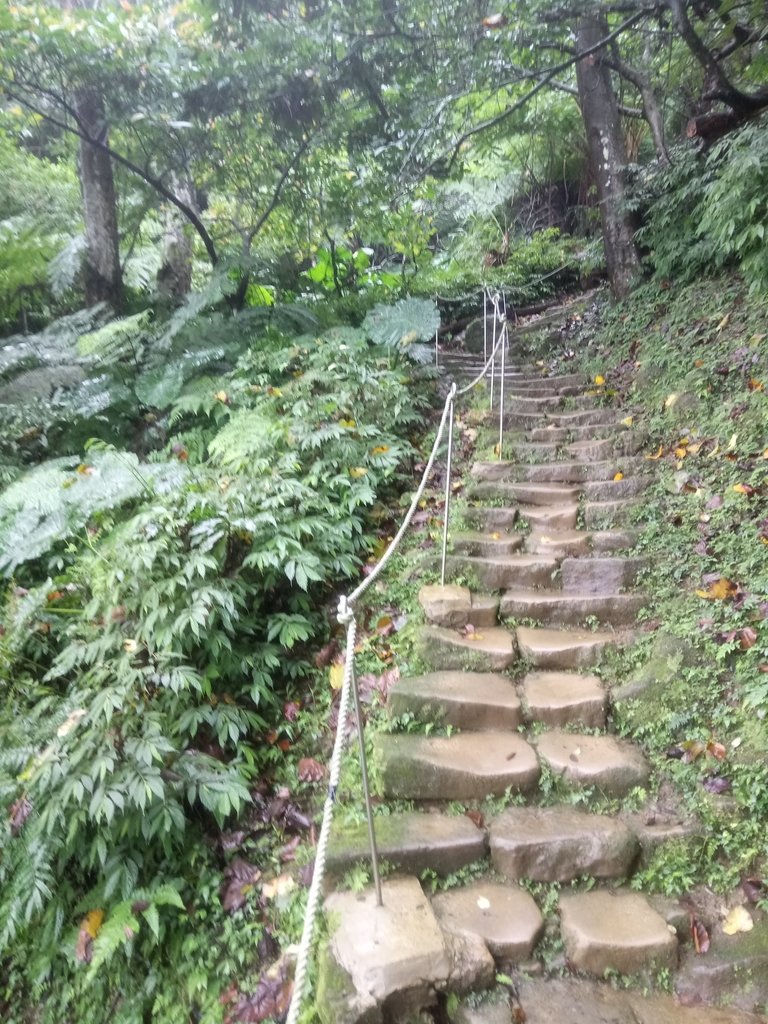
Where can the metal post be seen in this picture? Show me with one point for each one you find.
(366, 791)
(437, 356)
(504, 342)
(447, 490)
(493, 355)
(485, 326)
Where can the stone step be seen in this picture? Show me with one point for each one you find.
(536, 451)
(453, 606)
(487, 650)
(499, 573)
(542, 390)
(410, 841)
(600, 514)
(467, 766)
(504, 917)
(590, 448)
(605, 931)
(523, 492)
(528, 420)
(466, 700)
(579, 1001)
(555, 380)
(624, 441)
(616, 490)
(600, 574)
(490, 520)
(558, 543)
(571, 608)
(612, 766)
(485, 545)
(564, 698)
(550, 518)
(563, 649)
(558, 844)
(558, 472)
(606, 541)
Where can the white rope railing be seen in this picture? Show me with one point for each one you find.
(346, 617)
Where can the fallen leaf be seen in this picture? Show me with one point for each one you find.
(357, 471)
(692, 750)
(380, 449)
(599, 380)
(87, 932)
(716, 784)
(627, 421)
(70, 722)
(20, 811)
(720, 590)
(747, 638)
(483, 903)
(240, 877)
(291, 710)
(670, 400)
(495, 21)
(275, 392)
(681, 452)
(270, 1000)
(744, 489)
(221, 396)
(754, 889)
(348, 424)
(310, 770)
(336, 675)
(476, 817)
(618, 476)
(278, 887)
(656, 455)
(700, 935)
(738, 920)
(755, 385)
(724, 322)
(716, 750)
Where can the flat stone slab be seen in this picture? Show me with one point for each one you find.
(734, 970)
(386, 951)
(468, 766)
(412, 842)
(467, 700)
(563, 698)
(486, 545)
(558, 543)
(505, 917)
(505, 570)
(598, 514)
(548, 518)
(490, 649)
(617, 490)
(606, 541)
(448, 605)
(606, 931)
(562, 649)
(566, 1001)
(612, 765)
(600, 574)
(491, 518)
(570, 608)
(558, 844)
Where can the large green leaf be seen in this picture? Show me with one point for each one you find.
(402, 324)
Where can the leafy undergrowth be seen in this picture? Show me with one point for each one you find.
(690, 366)
(165, 661)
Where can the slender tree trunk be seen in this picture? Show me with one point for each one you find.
(174, 279)
(608, 157)
(103, 279)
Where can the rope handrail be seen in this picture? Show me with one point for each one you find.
(346, 617)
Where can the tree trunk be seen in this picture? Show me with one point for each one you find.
(103, 279)
(608, 157)
(174, 279)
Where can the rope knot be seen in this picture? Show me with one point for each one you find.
(345, 614)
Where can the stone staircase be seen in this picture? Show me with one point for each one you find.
(517, 714)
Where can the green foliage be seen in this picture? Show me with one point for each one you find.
(709, 212)
(399, 326)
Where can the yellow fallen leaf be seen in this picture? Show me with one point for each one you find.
(357, 471)
(475, 636)
(681, 452)
(627, 421)
(657, 454)
(670, 400)
(720, 590)
(495, 536)
(336, 676)
(743, 489)
(599, 380)
(724, 322)
(618, 476)
(693, 448)
(278, 887)
(380, 449)
(347, 424)
(739, 920)
(276, 392)
(221, 396)
(91, 923)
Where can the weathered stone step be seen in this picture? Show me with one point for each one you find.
(453, 606)
(556, 380)
(558, 543)
(549, 518)
(491, 519)
(612, 766)
(563, 649)
(529, 420)
(600, 574)
(541, 390)
(524, 493)
(487, 650)
(467, 766)
(606, 931)
(571, 608)
(606, 541)
(565, 471)
(558, 844)
(597, 514)
(504, 917)
(486, 545)
(536, 451)
(467, 700)
(616, 490)
(412, 842)
(499, 573)
(571, 1001)
(624, 440)
(564, 698)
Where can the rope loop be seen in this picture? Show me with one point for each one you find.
(345, 613)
